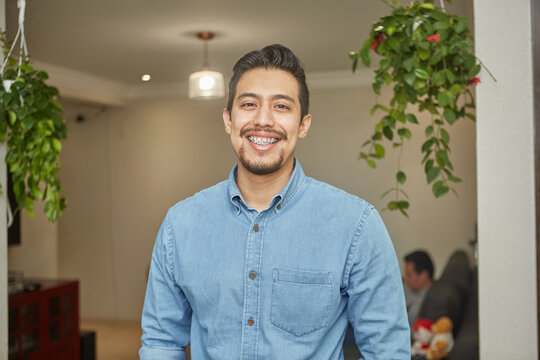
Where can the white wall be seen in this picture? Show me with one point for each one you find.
(123, 167)
(506, 205)
(37, 255)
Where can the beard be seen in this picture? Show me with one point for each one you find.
(260, 166)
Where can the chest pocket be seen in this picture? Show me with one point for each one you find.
(300, 300)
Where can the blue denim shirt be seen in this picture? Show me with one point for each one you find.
(279, 284)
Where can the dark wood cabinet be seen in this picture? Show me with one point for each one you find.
(44, 323)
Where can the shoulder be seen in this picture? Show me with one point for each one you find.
(202, 201)
(335, 197)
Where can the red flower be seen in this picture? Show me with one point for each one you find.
(435, 38)
(473, 81)
(378, 39)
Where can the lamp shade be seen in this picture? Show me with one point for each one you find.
(206, 84)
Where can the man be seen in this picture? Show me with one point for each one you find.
(271, 264)
(418, 279)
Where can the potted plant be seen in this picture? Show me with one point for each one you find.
(427, 55)
(31, 124)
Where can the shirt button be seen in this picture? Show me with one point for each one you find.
(252, 275)
(256, 228)
(251, 322)
(278, 207)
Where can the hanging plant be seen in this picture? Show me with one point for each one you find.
(32, 125)
(427, 55)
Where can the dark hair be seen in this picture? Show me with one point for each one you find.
(271, 57)
(421, 261)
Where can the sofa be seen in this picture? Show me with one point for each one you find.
(455, 294)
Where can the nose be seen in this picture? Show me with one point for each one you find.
(264, 117)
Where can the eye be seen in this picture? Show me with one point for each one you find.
(282, 107)
(248, 105)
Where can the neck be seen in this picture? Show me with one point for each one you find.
(258, 190)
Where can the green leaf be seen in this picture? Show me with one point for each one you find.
(401, 177)
(377, 87)
(427, 6)
(454, 179)
(419, 84)
(57, 145)
(455, 89)
(365, 55)
(445, 98)
(474, 71)
(428, 166)
(371, 163)
(404, 133)
(411, 118)
(394, 43)
(377, 136)
(440, 25)
(379, 149)
(423, 54)
(450, 76)
(461, 25)
(392, 205)
(403, 204)
(388, 133)
(445, 137)
(439, 189)
(12, 117)
(450, 115)
(427, 145)
(409, 78)
(409, 63)
(442, 156)
(421, 73)
(429, 130)
(354, 65)
(433, 174)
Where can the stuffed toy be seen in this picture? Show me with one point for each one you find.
(422, 335)
(442, 340)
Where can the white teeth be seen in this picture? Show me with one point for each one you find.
(262, 141)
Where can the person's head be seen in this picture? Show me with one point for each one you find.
(271, 57)
(267, 110)
(418, 270)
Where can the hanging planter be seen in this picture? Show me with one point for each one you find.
(427, 56)
(31, 124)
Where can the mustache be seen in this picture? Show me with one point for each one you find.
(279, 133)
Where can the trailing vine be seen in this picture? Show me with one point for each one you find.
(427, 55)
(32, 125)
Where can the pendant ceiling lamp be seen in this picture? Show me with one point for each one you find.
(206, 84)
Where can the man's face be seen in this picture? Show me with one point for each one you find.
(264, 123)
(414, 280)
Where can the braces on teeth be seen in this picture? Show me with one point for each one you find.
(260, 141)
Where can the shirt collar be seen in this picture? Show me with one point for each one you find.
(281, 200)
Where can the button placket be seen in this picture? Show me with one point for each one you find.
(252, 286)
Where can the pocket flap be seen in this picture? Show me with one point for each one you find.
(302, 276)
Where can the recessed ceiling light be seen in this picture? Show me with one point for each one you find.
(146, 77)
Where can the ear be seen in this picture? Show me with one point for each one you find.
(227, 121)
(304, 126)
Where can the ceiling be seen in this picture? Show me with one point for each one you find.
(122, 39)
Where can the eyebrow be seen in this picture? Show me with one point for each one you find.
(274, 97)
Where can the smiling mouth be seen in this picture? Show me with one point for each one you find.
(262, 141)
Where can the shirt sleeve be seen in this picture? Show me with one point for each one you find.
(166, 316)
(376, 305)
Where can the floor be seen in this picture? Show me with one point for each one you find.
(115, 340)
(121, 340)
